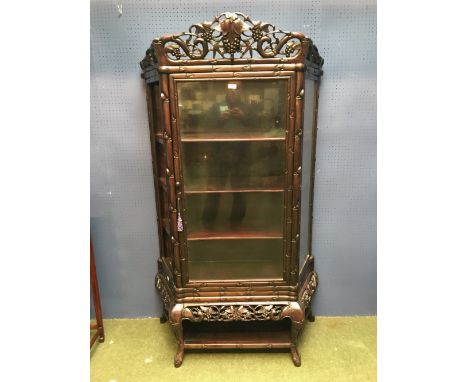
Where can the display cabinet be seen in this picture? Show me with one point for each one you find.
(234, 192)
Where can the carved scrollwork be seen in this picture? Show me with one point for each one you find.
(232, 35)
(163, 291)
(234, 312)
(309, 290)
(314, 62)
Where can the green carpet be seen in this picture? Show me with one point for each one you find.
(332, 349)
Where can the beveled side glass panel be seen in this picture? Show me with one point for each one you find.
(232, 108)
(235, 213)
(306, 189)
(233, 165)
(235, 259)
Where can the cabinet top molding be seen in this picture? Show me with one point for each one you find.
(233, 38)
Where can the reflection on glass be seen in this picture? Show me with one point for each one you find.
(305, 184)
(235, 212)
(242, 108)
(233, 152)
(233, 165)
(235, 259)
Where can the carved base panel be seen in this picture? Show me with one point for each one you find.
(240, 312)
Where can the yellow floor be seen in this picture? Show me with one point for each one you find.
(332, 349)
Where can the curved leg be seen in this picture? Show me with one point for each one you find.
(175, 318)
(296, 357)
(296, 327)
(179, 357)
(310, 316)
(296, 314)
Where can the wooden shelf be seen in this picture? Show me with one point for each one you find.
(232, 235)
(240, 271)
(225, 138)
(237, 335)
(191, 192)
(262, 340)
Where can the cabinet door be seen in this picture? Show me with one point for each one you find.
(233, 144)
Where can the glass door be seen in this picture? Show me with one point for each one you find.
(233, 152)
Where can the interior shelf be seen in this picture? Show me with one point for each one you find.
(214, 191)
(225, 138)
(211, 235)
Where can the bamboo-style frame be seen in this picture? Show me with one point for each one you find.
(279, 55)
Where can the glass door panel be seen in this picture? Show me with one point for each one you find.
(232, 108)
(235, 213)
(233, 165)
(233, 151)
(235, 259)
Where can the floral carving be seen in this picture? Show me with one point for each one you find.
(234, 312)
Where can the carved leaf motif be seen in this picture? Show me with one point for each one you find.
(236, 312)
(231, 24)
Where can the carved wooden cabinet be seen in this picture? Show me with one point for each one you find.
(233, 190)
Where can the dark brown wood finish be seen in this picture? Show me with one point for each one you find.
(99, 325)
(221, 314)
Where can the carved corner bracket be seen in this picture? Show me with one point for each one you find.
(314, 63)
(163, 289)
(149, 65)
(306, 293)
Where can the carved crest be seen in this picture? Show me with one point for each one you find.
(230, 36)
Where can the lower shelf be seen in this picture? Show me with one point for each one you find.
(237, 335)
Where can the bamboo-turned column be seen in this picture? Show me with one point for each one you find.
(166, 115)
(297, 176)
(180, 226)
(289, 179)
